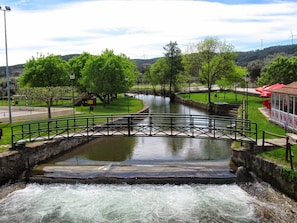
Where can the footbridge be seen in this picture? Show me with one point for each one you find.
(136, 125)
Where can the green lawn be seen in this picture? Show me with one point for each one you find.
(121, 105)
(279, 156)
(254, 103)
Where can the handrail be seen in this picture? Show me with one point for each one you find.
(287, 146)
(144, 124)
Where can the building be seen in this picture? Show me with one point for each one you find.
(284, 106)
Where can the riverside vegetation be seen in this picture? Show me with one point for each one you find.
(123, 104)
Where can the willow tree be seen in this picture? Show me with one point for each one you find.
(46, 72)
(215, 60)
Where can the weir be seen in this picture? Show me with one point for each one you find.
(140, 125)
(135, 125)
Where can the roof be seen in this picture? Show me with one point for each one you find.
(290, 89)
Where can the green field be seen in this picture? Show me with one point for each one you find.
(121, 105)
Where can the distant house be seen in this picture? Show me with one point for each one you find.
(284, 106)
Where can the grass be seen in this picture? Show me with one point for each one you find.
(279, 155)
(254, 103)
(121, 105)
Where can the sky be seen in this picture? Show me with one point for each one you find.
(140, 28)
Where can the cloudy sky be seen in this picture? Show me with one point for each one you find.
(141, 28)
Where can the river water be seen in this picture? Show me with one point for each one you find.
(150, 149)
(256, 202)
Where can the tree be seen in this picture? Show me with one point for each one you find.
(191, 65)
(255, 68)
(45, 94)
(282, 69)
(158, 74)
(45, 72)
(174, 60)
(215, 59)
(77, 64)
(108, 74)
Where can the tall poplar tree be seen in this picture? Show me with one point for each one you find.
(173, 57)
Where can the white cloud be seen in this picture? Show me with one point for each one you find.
(138, 28)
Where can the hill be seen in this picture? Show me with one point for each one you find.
(243, 58)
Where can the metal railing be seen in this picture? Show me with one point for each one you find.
(174, 125)
(286, 145)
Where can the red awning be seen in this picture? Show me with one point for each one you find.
(265, 90)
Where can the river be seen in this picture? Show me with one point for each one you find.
(251, 202)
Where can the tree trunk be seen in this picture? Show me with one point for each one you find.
(49, 104)
(103, 99)
(209, 95)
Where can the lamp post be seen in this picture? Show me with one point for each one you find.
(127, 79)
(72, 78)
(246, 79)
(7, 8)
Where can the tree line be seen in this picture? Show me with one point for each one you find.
(210, 61)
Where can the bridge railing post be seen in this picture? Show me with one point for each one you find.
(263, 140)
(48, 129)
(87, 122)
(151, 124)
(235, 129)
(107, 125)
(67, 127)
(192, 125)
(171, 125)
(129, 126)
(29, 130)
(209, 125)
(12, 139)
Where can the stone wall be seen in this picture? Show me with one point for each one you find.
(191, 103)
(217, 108)
(14, 163)
(266, 170)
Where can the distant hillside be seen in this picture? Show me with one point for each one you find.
(243, 58)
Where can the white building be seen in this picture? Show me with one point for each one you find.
(284, 106)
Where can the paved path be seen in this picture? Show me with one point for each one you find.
(30, 113)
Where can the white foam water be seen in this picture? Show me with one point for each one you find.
(127, 203)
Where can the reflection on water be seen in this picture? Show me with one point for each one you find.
(133, 149)
(130, 149)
